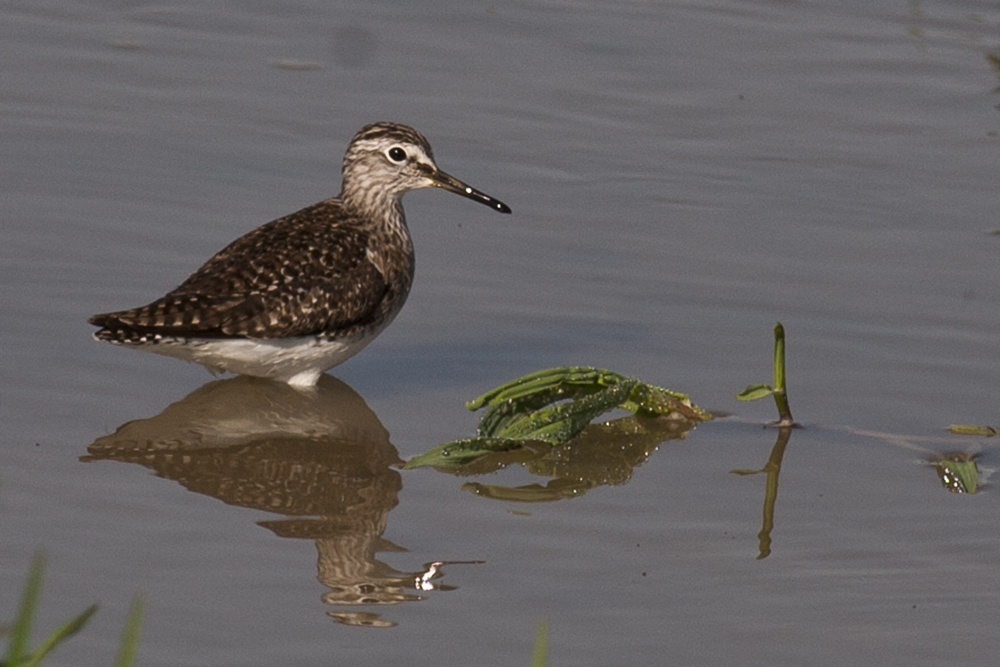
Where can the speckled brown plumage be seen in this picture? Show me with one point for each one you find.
(307, 291)
(305, 274)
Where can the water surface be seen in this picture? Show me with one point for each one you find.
(682, 176)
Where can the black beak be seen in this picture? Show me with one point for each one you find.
(452, 184)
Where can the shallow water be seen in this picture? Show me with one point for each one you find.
(682, 177)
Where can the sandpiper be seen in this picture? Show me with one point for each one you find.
(305, 292)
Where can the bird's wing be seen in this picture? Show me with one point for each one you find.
(300, 275)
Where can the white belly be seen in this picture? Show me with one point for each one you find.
(297, 361)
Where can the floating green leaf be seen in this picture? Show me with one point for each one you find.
(959, 476)
(958, 472)
(560, 423)
(971, 429)
(554, 406)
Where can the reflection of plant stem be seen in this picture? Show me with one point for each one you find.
(773, 469)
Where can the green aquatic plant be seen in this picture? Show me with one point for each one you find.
(958, 472)
(130, 634)
(553, 406)
(972, 429)
(539, 655)
(779, 391)
(18, 653)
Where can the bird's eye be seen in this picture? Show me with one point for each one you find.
(396, 154)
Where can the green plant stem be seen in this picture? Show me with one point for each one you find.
(20, 636)
(540, 653)
(130, 635)
(780, 392)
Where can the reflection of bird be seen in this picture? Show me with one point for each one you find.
(307, 291)
(320, 460)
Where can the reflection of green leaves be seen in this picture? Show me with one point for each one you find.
(556, 489)
(461, 451)
(553, 406)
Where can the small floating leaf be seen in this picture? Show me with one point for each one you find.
(958, 472)
(959, 477)
(970, 429)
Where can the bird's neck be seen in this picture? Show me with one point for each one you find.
(372, 204)
(390, 247)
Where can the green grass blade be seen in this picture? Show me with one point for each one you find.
(130, 635)
(971, 429)
(20, 634)
(779, 357)
(59, 635)
(540, 654)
